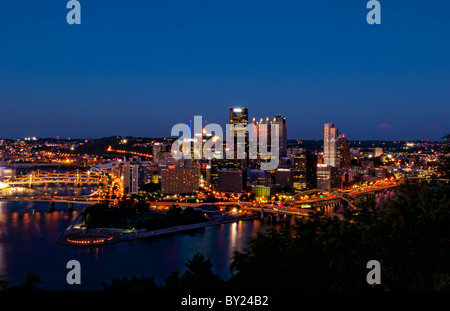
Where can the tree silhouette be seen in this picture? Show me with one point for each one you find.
(409, 236)
(133, 284)
(32, 280)
(198, 277)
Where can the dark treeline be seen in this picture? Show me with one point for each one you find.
(135, 214)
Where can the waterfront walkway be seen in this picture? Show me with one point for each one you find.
(100, 236)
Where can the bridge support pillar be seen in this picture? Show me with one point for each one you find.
(52, 207)
(70, 207)
(262, 213)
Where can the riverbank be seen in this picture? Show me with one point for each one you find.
(74, 235)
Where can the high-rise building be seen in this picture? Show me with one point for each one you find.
(330, 145)
(327, 172)
(258, 177)
(230, 180)
(261, 191)
(160, 152)
(217, 165)
(323, 176)
(239, 116)
(377, 152)
(7, 172)
(299, 177)
(305, 171)
(130, 175)
(311, 170)
(344, 148)
(179, 180)
(284, 177)
(282, 133)
(262, 134)
(327, 177)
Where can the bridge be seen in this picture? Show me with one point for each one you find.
(76, 177)
(68, 200)
(319, 198)
(38, 178)
(263, 208)
(52, 200)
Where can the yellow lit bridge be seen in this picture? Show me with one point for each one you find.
(76, 177)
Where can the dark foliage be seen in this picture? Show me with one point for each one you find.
(198, 277)
(31, 284)
(135, 214)
(132, 284)
(410, 237)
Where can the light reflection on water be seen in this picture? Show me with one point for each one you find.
(28, 234)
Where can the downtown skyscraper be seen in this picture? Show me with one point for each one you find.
(327, 172)
(282, 133)
(239, 116)
(331, 155)
(344, 152)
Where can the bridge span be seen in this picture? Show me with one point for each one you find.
(76, 177)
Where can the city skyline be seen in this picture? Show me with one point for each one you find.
(235, 115)
(224, 153)
(283, 131)
(138, 70)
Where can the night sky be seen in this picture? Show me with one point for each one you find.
(139, 67)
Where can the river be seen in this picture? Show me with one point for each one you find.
(28, 234)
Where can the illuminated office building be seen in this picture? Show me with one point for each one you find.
(180, 180)
(344, 152)
(282, 133)
(331, 145)
(240, 137)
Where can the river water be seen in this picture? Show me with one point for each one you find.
(28, 234)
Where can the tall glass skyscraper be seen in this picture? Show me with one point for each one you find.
(327, 173)
(282, 133)
(239, 116)
(344, 148)
(331, 145)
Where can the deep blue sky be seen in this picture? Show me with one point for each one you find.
(139, 67)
